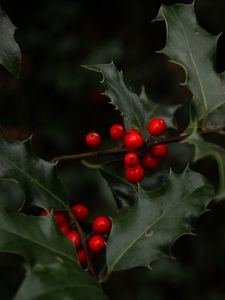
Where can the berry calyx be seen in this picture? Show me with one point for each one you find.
(64, 227)
(133, 140)
(80, 212)
(117, 132)
(93, 139)
(160, 150)
(157, 126)
(131, 160)
(149, 161)
(74, 236)
(101, 225)
(135, 174)
(96, 243)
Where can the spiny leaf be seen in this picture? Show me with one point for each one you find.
(205, 149)
(195, 49)
(137, 110)
(10, 56)
(12, 196)
(59, 281)
(122, 190)
(148, 230)
(37, 177)
(35, 238)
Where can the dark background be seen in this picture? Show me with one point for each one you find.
(59, 102)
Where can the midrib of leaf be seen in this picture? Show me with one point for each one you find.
(35, 181)
(40, 244)
(110, 270)
(192, 60)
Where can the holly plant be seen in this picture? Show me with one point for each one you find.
(154, 207)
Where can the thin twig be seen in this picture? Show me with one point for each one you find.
(83, 239)
(114, 151)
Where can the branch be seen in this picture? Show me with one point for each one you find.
(83, 239)
(115, 151)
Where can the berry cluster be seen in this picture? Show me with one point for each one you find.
(135, 163)
(96, 243)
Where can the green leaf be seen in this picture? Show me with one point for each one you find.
(59, 281)
(37, 177)
(122, 190)
(10, 56)
(157, 219)
(12, 196)
(136, 110)
(205, 149)
(37, 239)
(194, 49)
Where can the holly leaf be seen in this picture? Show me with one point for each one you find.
(121, 189)
(194, 49)
(157, 220)
(37, 239)
(10, 55)
(37, 177)
(205, 149)
(59, 281)
(11, 195)
(136, 110)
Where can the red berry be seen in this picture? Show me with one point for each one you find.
(116, 132)
(64, 227)
(96, 243)
(82, 257)
(131, 160)
(80, 212)
(93, 139)
(74, 236)
(101, 225)
(157, 126)
(59, 217)
(149, 161)
(135, 174)
(160, 150)
(44, 213)
(133, 140)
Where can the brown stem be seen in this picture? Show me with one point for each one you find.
(90, 154)
(83, 239)
(114, 151)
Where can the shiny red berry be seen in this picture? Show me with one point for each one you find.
(160, 150)
(135, 174)
(74, 236)
(133, 140)
(64, 227)
(157, 126)
(149, 161)
(101, 225)
(117, 132)
(59, 217)
(82, 257)
(96, 243)
(80, 212)
(131, 160)
(44, 213)
(93, 140)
